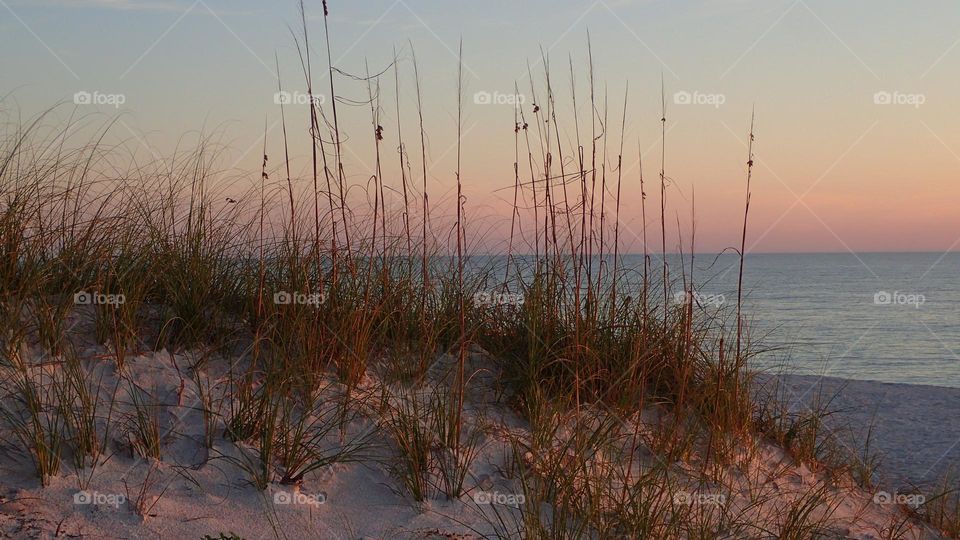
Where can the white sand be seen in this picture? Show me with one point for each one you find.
(916, 428)
(196, 496)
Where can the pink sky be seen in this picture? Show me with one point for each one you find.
(857, 147)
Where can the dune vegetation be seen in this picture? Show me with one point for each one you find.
(547, 392)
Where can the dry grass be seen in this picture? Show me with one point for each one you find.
(339, 316)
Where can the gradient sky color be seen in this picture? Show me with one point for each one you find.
(857, 144)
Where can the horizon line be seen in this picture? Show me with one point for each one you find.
(734, 252)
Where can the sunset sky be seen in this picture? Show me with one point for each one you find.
(857, 139)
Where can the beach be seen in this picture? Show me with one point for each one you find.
(546, 270)
(194, 491)
(916, 428)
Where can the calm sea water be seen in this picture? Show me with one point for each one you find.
(891, 317)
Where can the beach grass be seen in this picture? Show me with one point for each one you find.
(325, 332)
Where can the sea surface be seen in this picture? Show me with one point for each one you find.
(890, 317)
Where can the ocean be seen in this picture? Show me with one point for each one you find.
(889, 317)
(886, 317)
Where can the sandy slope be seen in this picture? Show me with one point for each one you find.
(194, 492)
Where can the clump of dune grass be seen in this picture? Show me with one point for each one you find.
(428, 458)
(86, 401)
(32, 415)
(941, 508)
(144, 425)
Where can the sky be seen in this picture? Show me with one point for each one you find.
(857, 147)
